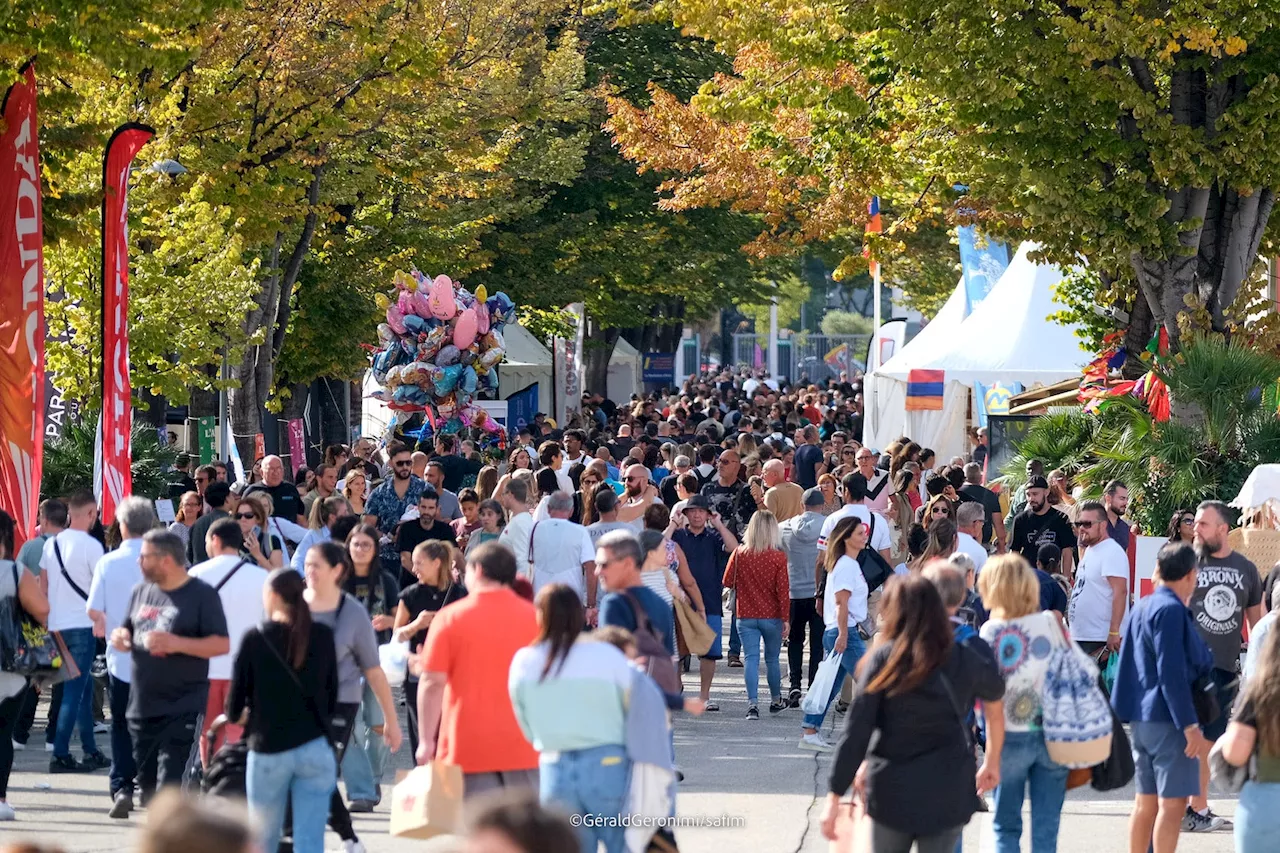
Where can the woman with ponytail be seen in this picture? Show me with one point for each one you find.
(286, 680)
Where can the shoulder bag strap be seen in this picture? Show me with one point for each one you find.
(57, 552)
(310, 701)
(955, 704)
(229, 575)
(642, 616)
(532, 531)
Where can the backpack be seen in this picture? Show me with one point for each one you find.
(874, 569)
(661, 668)
(1077, 715)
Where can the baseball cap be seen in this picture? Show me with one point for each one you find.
(814, 497)
(1037, 482)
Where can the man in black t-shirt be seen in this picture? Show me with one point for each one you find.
(285, 500)
(414, 532)
(175, 624)
(456, 468)
(973, 490)
(1041, 524)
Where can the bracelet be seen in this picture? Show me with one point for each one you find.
(1113, 634)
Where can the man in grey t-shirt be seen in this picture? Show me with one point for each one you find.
(1228, 592)
(800, 542)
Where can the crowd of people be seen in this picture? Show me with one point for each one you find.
(553, 601)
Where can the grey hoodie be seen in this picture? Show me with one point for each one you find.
(800, 541)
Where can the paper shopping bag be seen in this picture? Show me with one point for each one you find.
(428, 802)
(698, 635)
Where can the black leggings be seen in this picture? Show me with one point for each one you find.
(10, 711)
(411, 711)
(804, 614)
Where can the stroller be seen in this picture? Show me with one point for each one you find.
(228, 767)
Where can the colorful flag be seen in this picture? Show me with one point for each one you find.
(982, 263)
(21, 308)
(838, 357)
(994, 399)
(924, 390)
(116, 421)
(873, 227)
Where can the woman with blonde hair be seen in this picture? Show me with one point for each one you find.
(486, 482)
(757, 572)
(1022, 637)
(355, 488)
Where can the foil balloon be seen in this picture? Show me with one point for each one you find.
(468, 358)
(395, 319)
(447, 406)
(443, 304)
(382, 301)
(468, 381)
(482, 294)
(464, 329)
(482, 319)
(500, 307)
(415, 324)
(449, 354)
(421, 305)
(385, 333)
(404, 281)
(447, 380)
(429, 344)
(489, 358)
(405, 302)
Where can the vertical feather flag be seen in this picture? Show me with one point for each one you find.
(873, 227)
(924, 390)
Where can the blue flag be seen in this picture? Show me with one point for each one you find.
(982, 262)
(994, 399)
(521, 407)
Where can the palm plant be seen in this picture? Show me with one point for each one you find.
(1224, 400)
(68, 462)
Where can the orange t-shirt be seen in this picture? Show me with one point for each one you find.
(472, 641)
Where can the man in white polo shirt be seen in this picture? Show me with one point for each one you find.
(68, 562)
(238, 583)
(562, 552)
(114, 578)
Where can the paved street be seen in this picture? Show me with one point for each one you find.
(749, 772)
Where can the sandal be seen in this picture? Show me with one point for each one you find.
(712, 706)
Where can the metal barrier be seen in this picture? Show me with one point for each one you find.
(803, 353)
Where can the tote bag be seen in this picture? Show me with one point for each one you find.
(1077, 715)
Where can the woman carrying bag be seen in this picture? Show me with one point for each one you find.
(914, 689)
(19, 592)
(1253, 741)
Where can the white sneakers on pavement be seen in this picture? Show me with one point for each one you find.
(815, 743)
(6, 812)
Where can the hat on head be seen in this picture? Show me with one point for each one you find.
(1037, 482)
(814, 497)
(698, 502)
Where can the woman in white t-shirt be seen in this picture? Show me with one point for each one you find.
(1022, 637)
(844, 605)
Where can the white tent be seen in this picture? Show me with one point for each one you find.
(527, 361)
(884, 398)
(624, 372)
(1007, 338)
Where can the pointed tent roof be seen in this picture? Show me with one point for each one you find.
(932, 338)
(1008, 337)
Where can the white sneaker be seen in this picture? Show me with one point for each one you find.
(101, 728)
(48, 747)
(353, 846)
(6, 812)
(18, 747)
(815, 743)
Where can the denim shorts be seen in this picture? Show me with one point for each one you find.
(1161, 762)
(715, 623)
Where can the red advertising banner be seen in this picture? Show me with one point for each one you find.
(117, 403)
(21, 308)
(297, 444)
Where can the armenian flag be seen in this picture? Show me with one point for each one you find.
(873, 227)
(924, 390)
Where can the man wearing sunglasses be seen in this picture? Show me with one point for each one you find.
(388, 502)
(1041, 524)
(1100, 597)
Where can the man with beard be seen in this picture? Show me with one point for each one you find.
(1100, 597)
(637, 496)
(1041, 524)
(706, 542)
(387, 504)
(414, 533)
(735, 503)
(1228, 592)
(173, 625)
(1116, 498)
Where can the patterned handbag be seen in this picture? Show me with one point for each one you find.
(26, 648)
(1077, 715)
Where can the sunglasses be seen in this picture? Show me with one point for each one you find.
(404, 464)
(1080, 524)
(247, 515)
(588, 481)
(1189, 519)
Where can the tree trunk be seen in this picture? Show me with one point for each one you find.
(599, 349)
(255, 373)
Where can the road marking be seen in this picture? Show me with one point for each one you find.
(986, 832)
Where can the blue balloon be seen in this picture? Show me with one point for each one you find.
(468, 382)
(415, 324)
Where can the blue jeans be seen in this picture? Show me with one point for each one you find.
(123, 769)
(366, 754)
(306, 774)
(77, 696)
(591, 783)
(853, 650)
(751, 632)
(1258, 817)
(1025, 760)
(735, 642)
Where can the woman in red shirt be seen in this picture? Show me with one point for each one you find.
(757, 572)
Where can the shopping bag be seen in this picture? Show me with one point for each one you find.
(428, 802)
(824, 681)
(1109, 671)
(697, 634)
(394, 658)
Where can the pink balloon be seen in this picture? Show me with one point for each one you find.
(395, 319)
(464, 329)
(421, 304)
(405, 303)
(443, 304)
(482, 318)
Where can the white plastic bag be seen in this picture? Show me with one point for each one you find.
(824, 681)
(394, 659)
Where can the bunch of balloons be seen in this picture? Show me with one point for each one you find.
(438, 347)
